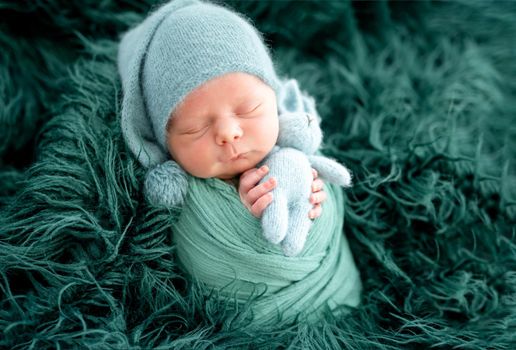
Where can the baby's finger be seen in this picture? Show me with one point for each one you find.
(318, 197)
(259, 190)
(251, 177)
(314, 173)
(315, 212)
(317, 185)
(259, 206)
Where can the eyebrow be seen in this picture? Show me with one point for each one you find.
(251, 95)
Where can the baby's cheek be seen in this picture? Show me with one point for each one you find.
(268, 139)
(198, 163)
(184, 153)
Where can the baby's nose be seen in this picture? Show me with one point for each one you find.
(228, 132)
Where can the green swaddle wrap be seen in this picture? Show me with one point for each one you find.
(219, 243)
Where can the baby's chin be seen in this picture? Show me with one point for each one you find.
(234, 170)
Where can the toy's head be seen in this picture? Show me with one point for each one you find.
(298, 120)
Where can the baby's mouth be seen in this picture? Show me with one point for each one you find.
(238, 156)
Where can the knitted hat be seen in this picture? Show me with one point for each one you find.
(180, 46)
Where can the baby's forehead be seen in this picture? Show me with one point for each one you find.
(235, 89)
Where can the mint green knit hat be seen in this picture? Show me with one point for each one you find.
(177, 48)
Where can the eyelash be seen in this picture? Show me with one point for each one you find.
(251, 111)
(193, 132)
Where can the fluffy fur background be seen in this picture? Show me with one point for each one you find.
(417, 98)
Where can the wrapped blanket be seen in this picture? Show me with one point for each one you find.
(221, 244)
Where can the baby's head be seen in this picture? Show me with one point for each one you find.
(200, 89)
(224, 127)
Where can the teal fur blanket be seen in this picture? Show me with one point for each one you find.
(418, 99)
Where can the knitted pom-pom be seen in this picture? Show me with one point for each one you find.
(166, 184)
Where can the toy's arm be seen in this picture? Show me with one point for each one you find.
(331, 171)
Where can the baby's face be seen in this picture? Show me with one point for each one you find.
(224, 127)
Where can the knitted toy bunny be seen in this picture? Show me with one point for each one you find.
(285, 220)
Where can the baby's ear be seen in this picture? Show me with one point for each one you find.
(166, 184)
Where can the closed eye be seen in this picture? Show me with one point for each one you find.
(250, 113)
(194, 131)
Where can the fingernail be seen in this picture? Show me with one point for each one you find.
(264, 168)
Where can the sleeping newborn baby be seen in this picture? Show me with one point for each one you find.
(200, 112)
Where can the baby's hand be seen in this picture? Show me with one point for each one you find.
(256, 197)
(318, 196)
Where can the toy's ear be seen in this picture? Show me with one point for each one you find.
(298, 119)
(290, 98)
